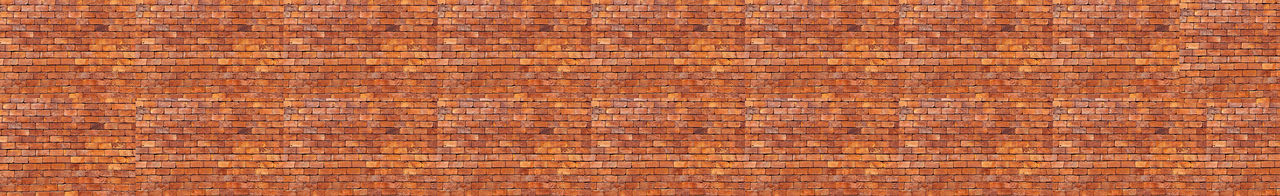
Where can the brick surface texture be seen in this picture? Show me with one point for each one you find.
(639, 97)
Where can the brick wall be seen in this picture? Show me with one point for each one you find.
(817, 97)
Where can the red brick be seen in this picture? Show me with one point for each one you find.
(656, 97)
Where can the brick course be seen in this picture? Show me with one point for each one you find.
(640, 97)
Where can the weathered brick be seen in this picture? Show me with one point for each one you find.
(653, 97)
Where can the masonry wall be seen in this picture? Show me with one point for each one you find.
(599, 97)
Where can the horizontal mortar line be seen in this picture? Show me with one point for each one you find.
(572, 44)
(966, 148)
(553, 138)
(55, 108)
(705, 91)
(738, 189)
(455, 190)
(622, 45)
(250, 64)
(719, 140)
(634, 181)
(717, 160)
(709, 181)
(707, 174)
(604, 58)
(442, 174)
(566, 31)
(664, 154)
(728, 175)
(641, 135)
(705, 161)
(599, 72)
(208, 4)
(780, 167)
(757, 190)
(624, 148)
(722, 175)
